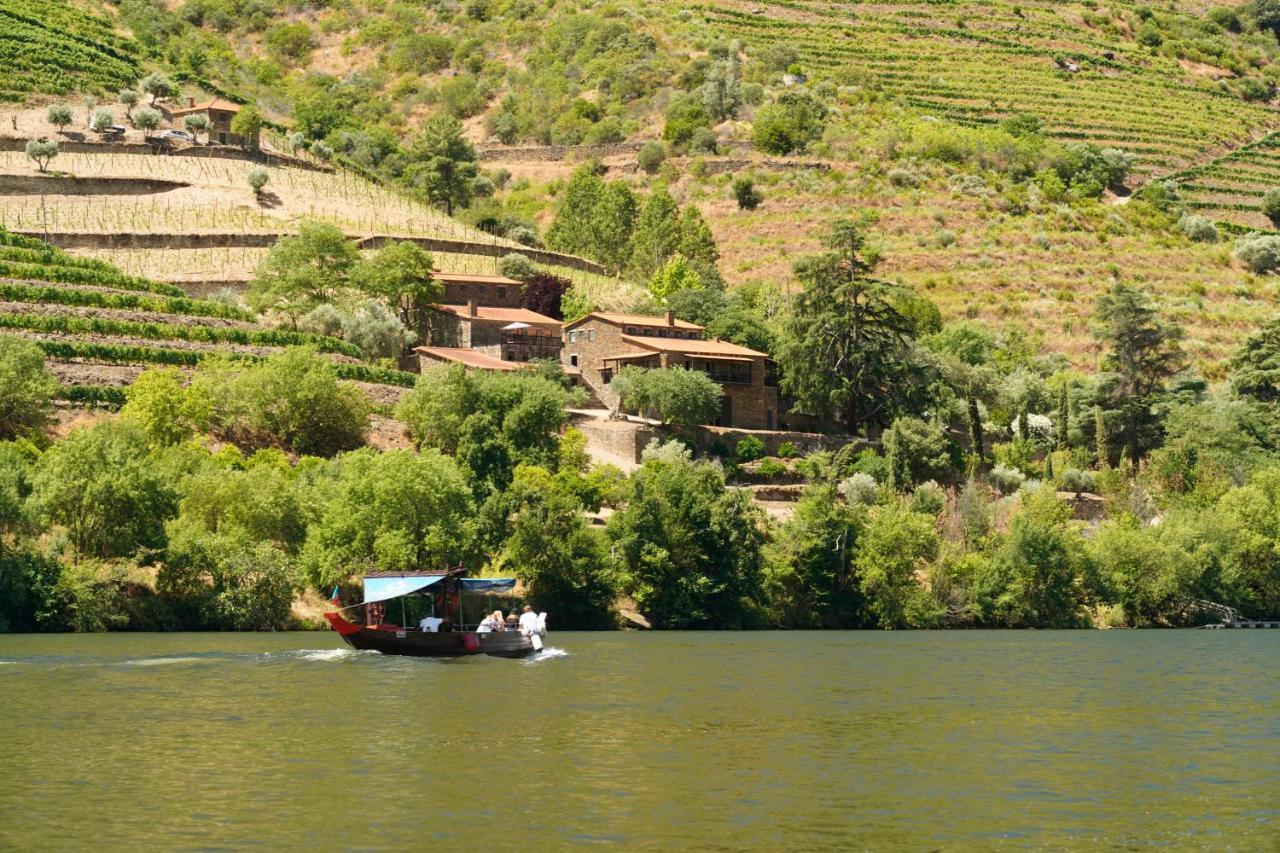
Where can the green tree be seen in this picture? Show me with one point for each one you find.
(1040, 575)
(690, 549)
(845, 348)
(263, 501)
(746, 194)
(657, 233)
(696, 242)
(400, 275)
(529, 410)
(1143, 354)
(674, 395)
(1271, 206)
(1255, 368)
(41, 152)
(895, 544)
(158, 86)
(247, 124)
(563, 563)
(146, 119)
(303, 270)
(102, 486)
(789, 124)
(967, 354)
(722, 93)
(396, 511)
(651, 156)
(811, 562)
(129, 98)
(196, 124)
(59, 115)
(918, 451)
(674, 276)
(594, 219)
(294, 398)
(442, 163)
(167, 412)
(26, 388)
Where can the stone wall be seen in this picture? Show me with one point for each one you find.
(617, 441)
(75, 143)
(69, 185)
(556, 153)
(805, 442)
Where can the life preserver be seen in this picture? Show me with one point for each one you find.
(471, 642)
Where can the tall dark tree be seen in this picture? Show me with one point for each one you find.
(966, 353)
(443, 164)
(846, 349)
(1143, 353)
(1256, 367)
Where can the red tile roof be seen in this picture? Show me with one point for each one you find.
(214, 104)
(501, 315)
(693, 347)
(467, 278)
(470, 358)
(637, 320)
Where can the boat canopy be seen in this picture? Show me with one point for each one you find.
(380, 589)
(488, 584)
(386, 587)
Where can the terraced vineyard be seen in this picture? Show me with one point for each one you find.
(53, 47)
(1230, 188)
(978, 61)
(99, 327)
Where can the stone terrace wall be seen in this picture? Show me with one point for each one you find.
(159, 147)
(555, 153)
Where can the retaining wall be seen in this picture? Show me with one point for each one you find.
(69, 185)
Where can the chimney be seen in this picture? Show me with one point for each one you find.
(191, 102)
(471, 308)
(671, 318)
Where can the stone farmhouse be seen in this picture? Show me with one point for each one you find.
(480, 324)
(220, 112)
(601, 343)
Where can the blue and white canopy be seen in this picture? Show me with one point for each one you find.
(380, 589)
(383, 588)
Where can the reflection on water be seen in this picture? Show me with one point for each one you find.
(775, 740)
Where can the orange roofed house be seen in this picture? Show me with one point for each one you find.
(602, 343)
(220, 112)
(515, 335)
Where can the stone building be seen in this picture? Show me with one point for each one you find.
(220, 112)
(601, 343)
(509, 334)
(428, 356)
(495, 291)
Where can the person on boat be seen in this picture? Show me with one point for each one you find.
(513, 621)
(487, 625)
(430, 624)
(528, 621)
(499, 624)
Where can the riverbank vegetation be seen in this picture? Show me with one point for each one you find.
(992, 485)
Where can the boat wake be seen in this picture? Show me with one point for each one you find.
(327, 654)
(161, 661)
(548, 653)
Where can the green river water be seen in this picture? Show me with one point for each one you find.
(795, 741)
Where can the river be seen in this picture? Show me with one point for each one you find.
(885, 741)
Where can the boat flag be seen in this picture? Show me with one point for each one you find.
(334, 599)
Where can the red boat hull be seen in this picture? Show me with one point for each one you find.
(423, 644)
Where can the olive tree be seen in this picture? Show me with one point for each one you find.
(59, 115)
(146, 119)
(102, 120)
(196, 124)
(675, 395)
(26, 388)
(42, 151)
(129, 98)
(158, 87)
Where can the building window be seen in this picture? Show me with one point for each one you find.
(630, 330)
(462, 288)
(573, 360)
(606, 375)
(502, 292)
(591, 334)
(662, 333)
(569, 336)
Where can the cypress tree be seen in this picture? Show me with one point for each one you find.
(1048, 467)
(1064, 416)
(975, 429)
(1024, 421)
(1100, 437)
(657, 233)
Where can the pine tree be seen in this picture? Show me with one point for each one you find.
(696, 242)
(975, 429)
(657, 233)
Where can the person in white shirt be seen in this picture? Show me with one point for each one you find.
(488, 625)
(430, 624)
(528, 621)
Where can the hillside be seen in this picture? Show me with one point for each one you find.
(919, 138)
(911, 143)
(99, 328)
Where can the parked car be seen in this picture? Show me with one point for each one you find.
(177, 134)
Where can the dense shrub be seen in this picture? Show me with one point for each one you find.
(651, 157)
(1259, 252)
(746, 194)
(789, 124)
(26, 388)
(1198, 228)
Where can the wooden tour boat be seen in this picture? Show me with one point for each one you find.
(445, 635)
